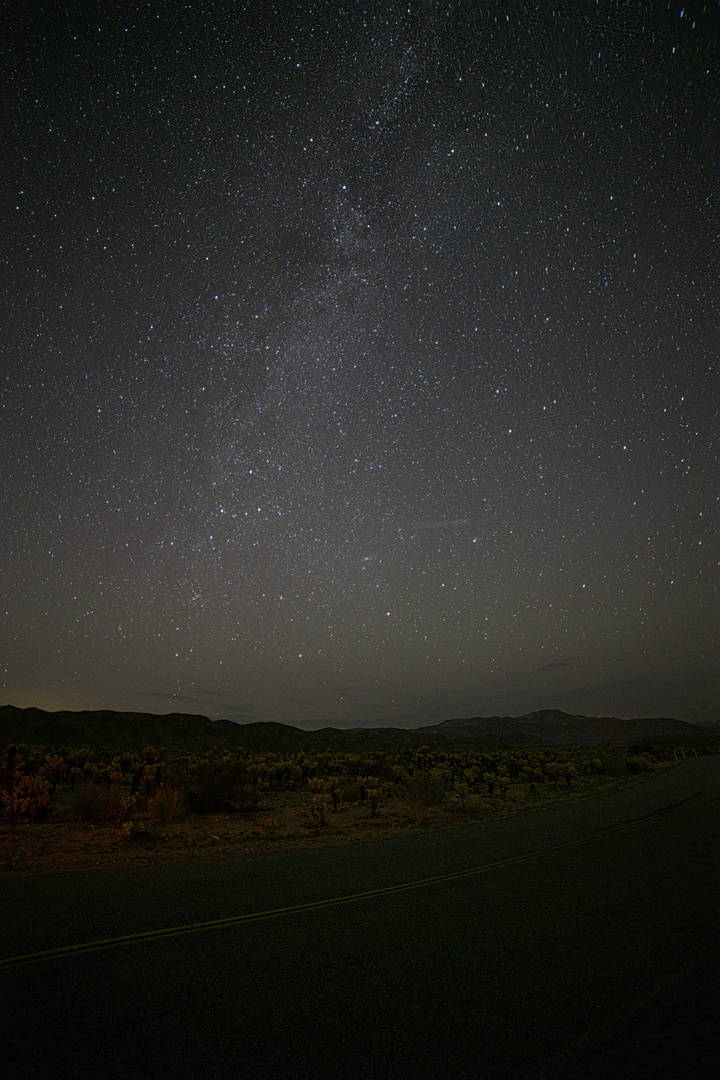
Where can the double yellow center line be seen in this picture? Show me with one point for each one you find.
(313, 905)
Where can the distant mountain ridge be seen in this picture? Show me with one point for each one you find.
(183, 732)
(550, 727)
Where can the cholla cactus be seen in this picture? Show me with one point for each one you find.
(400, 775)
(133, 830)
(569, 773)
(334, 790)
(258, 775)
(320, 809)
(14, 807)
(53, 769)
(552, 771)
(29, 800)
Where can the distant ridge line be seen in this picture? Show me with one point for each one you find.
(181, 731)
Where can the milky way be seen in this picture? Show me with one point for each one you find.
(359, 362)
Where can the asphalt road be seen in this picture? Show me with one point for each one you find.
(587, 947)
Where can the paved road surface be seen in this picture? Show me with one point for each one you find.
(591, 959)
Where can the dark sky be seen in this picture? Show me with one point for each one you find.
(359, 361)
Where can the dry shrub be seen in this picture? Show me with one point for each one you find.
(102, 804)
(637, 763)
(422, 791)
(136, 833)
(220, 789)
(469, 806)
(166, 805)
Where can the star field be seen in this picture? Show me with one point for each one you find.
(360, 361)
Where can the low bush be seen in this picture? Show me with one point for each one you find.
(222, 793)
(467, 805)
(422, 791)
(166, 805)
(137, 833)
(101, 804)
(353, 793)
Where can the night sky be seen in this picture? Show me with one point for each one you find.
(359, 361)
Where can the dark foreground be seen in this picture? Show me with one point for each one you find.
(594, 959)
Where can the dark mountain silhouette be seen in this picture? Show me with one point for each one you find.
(115, 729)
(182, 732)
(550, 727)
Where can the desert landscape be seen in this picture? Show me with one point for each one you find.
(67, 808)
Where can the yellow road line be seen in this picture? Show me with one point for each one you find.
(312, 905)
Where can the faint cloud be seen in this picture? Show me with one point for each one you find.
(555, 664)
(200, 700)
(640, 681)
(250, 711)
(689, 696)
(300, 701)
(236, 716)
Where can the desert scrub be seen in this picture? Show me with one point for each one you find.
(637, 763)
(219, 784)
(422, 791)
(470, 806)
(101, 804)
(166, 805)
(135, 832)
